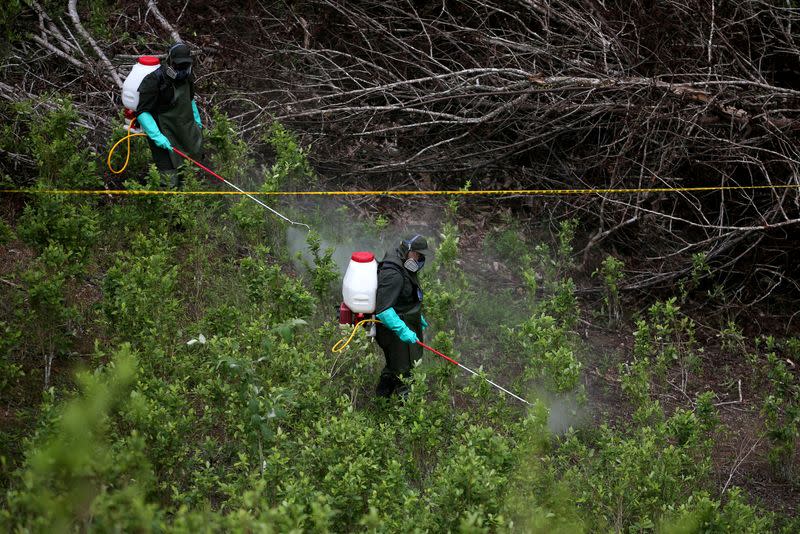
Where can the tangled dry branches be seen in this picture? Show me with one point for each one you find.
(568, 94)
(531, 93)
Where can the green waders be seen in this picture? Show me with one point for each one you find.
(400, 356)
(177, 123)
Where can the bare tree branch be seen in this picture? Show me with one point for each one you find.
(76, 20)
(152, 7)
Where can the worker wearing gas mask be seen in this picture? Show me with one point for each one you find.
(399, 308)
(168, 113)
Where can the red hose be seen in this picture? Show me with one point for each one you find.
(451, 360)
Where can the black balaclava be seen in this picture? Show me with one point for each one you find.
(179, 62)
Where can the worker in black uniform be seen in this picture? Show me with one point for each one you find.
(168, 113)
(399, 308)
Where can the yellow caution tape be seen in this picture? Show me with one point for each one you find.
(452, 192)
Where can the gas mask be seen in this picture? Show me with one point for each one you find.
(413, 265)
(179, 62)
(417, 244)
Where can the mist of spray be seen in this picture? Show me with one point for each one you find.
(297, 243)
(344, 235)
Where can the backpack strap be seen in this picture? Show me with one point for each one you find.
(391, 263)
(166, 90)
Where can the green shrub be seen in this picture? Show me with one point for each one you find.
(261, 407)
(563, 251)
(635, 379)
(473, 475)
(10, 370)
(562, 302)
(140, 304)
(291, 167)
(256, 226)
(229, 153)
(55, 140)
(323, 270)
(45, 315)
(277, 295)
(536, 500)
(732, 340)
(441, 304)
(447, 251)
(548, 356)
(58, 220)
(700, 269)
(624, 481)
(545, 269)
(508, 244)
(445, 285)
(75, 476)
(6, 233)
(611, 271)
(781, 411)
(669, 340)
(700, 513)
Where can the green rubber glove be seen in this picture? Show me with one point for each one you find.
(393, 322)
(196, 114)
(423, 321)
(148, 124)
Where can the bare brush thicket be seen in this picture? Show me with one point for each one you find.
(569, 94)
(518, 94)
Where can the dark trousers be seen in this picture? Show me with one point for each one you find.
(168, 163)
(399, 356)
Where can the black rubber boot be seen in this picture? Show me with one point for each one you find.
(386, 385)
(402, 392)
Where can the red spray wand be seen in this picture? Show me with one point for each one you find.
(234, 186)
(451, 360)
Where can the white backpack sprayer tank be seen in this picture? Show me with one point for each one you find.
(359, 288)
(130, 87)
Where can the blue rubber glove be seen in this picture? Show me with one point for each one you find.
(423, 321)
(196, 113)
(394, 323)
(148, 124)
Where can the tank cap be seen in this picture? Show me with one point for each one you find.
(150, 61)
(362, 257)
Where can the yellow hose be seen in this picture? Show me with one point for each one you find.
(128, 155)
(342, 343)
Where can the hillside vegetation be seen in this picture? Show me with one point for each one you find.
(258, 426)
